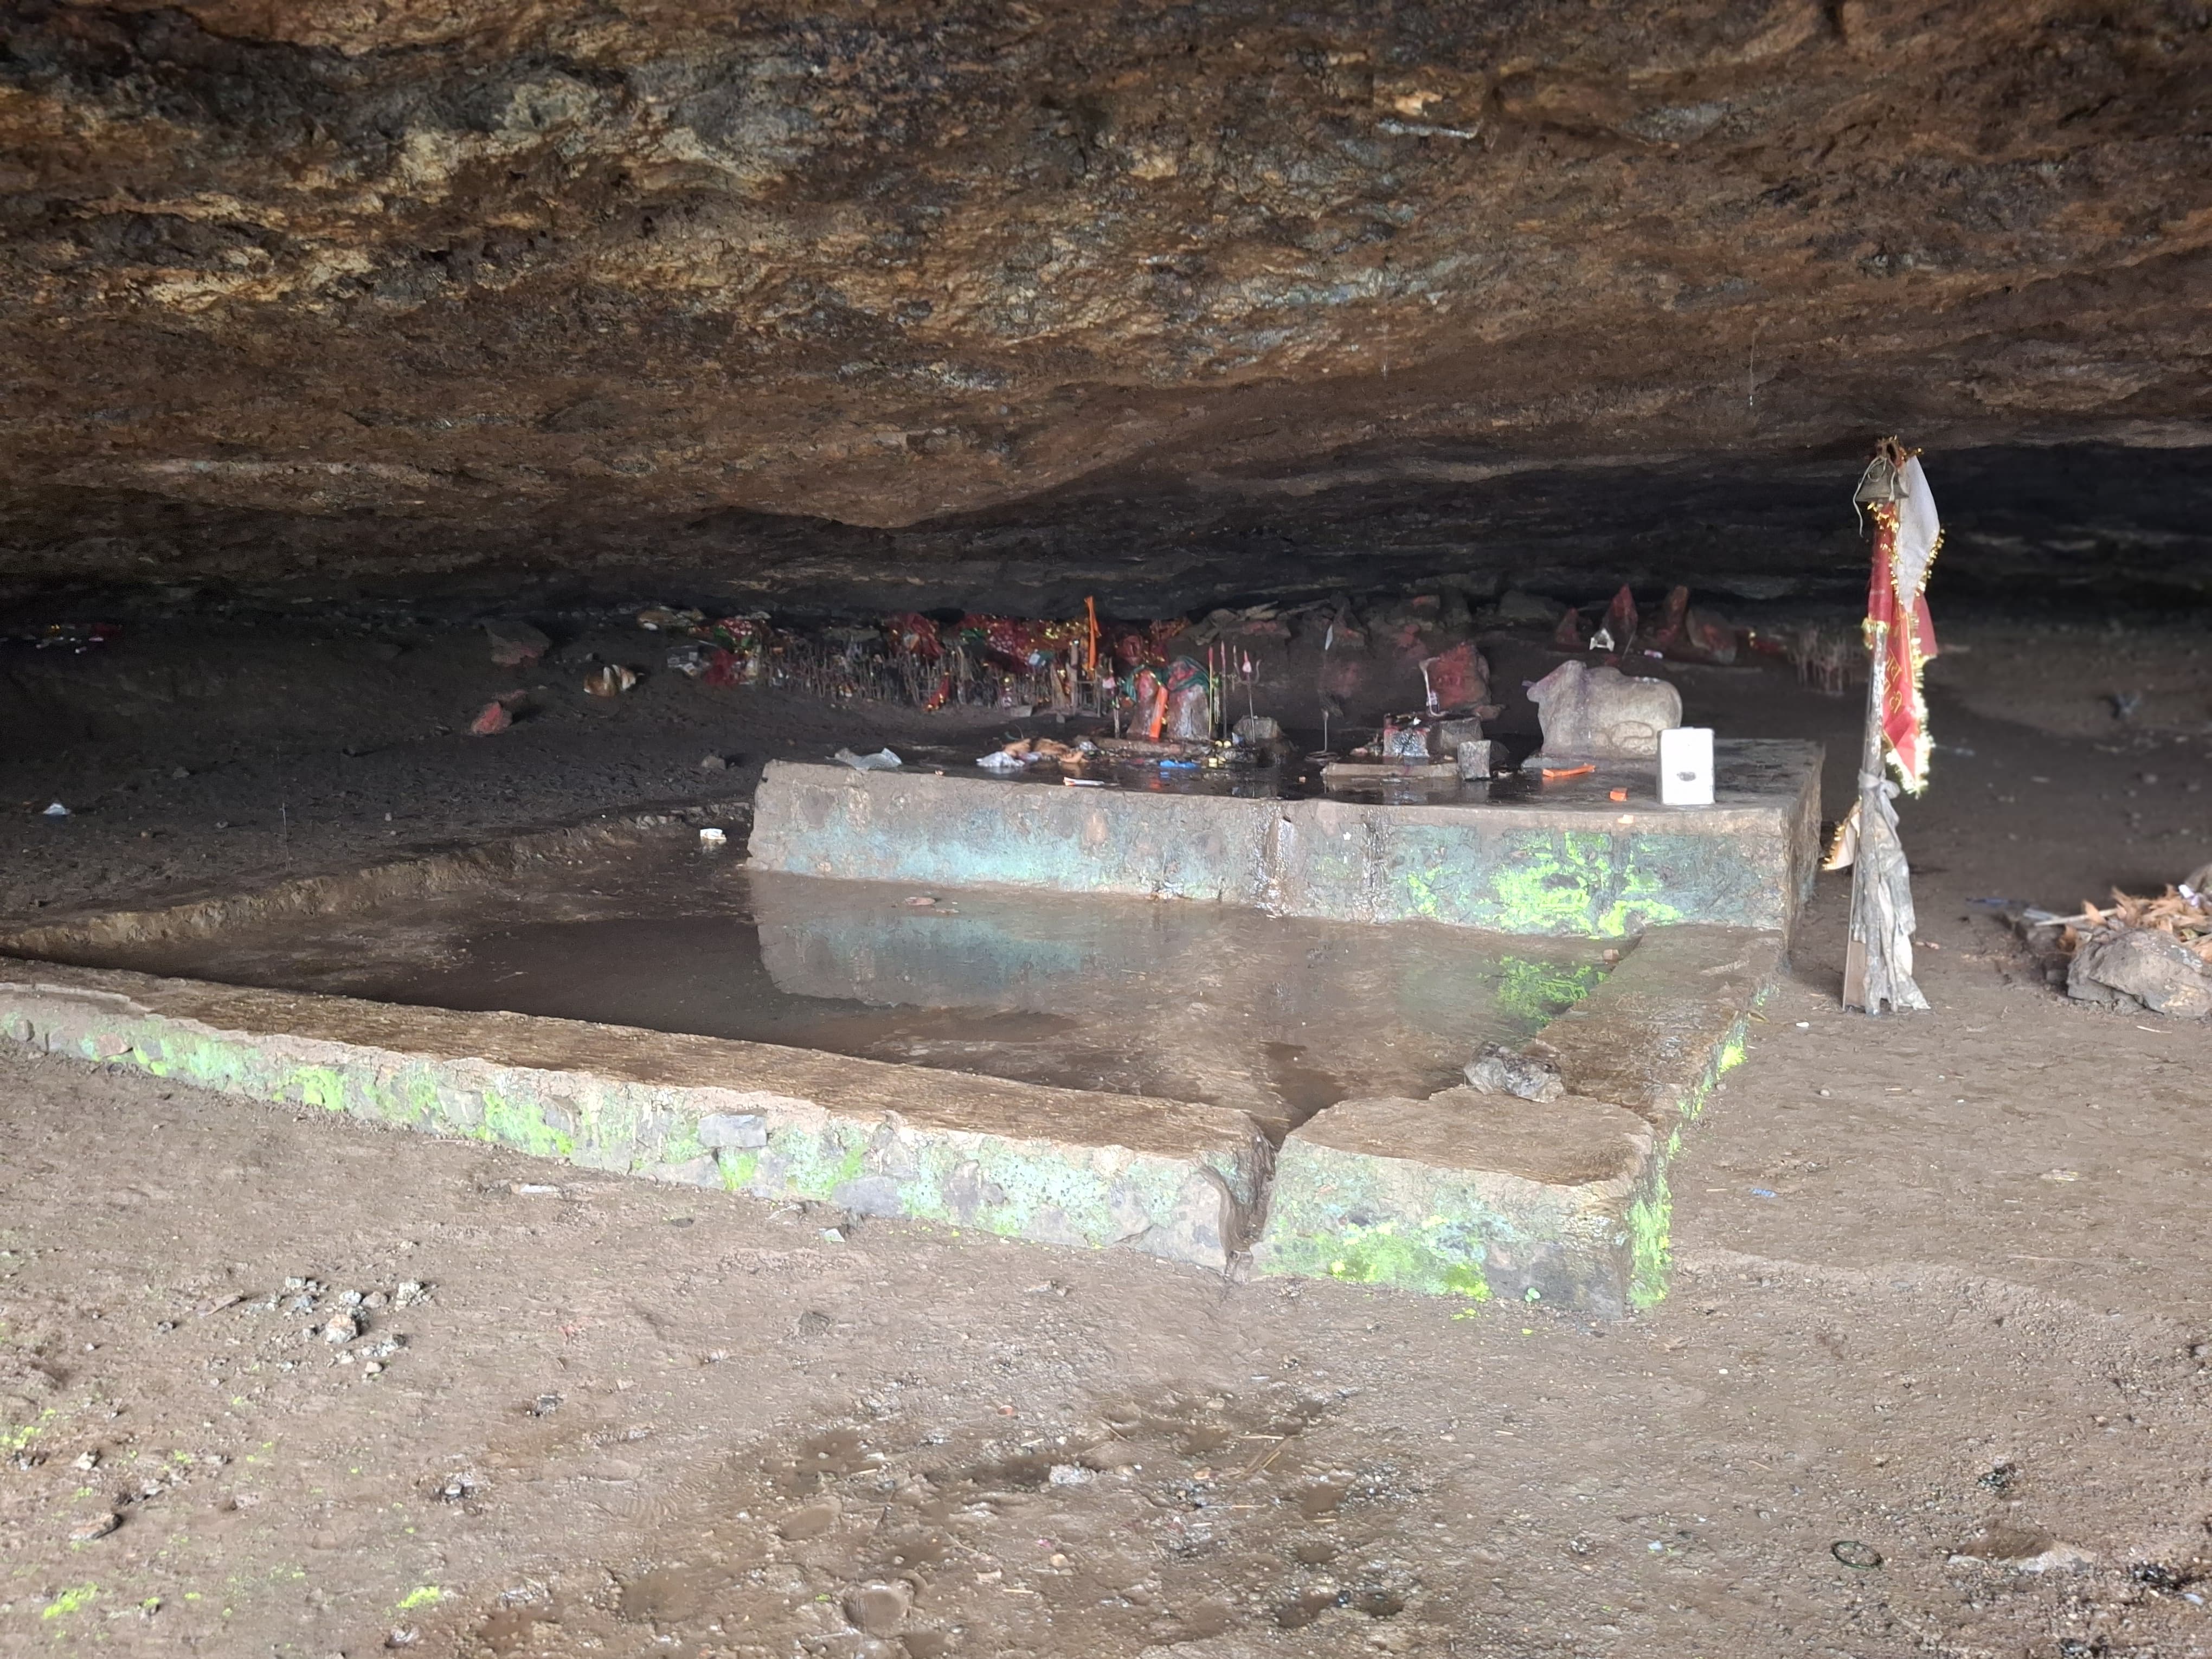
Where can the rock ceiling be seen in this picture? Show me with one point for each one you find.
(444, 281)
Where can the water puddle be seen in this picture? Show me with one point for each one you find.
(1280, 1016)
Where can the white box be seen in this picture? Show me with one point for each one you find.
(1686, 766)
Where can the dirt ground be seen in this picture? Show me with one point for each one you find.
(1933, 1377)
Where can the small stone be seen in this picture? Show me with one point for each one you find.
(342, 1328)
(351, 1298)
(878, 1609)
(96, 1526)
(87, 1460)
(375, 1299)
(811, 1522)
(2143, 966)
(410, 1292)
(513, 644)
(1498, 1071)
(1070, 1474)
(713, 763)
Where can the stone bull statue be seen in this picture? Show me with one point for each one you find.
(1600, 713)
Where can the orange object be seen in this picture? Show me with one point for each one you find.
(1091, 639)
(1553, 774)
(1619, 794)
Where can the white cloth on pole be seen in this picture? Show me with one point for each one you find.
(1918, 532)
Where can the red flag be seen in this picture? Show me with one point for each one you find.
(1899, 633)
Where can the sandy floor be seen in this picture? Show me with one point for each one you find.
(1942, 1292)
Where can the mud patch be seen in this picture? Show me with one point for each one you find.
(1173, 1518)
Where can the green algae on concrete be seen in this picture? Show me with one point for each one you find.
(1062, 1166)
(1659, 1032)
(1538, 992)
(1568, 861)
(1464, 1194)
(1435, 1257)
(1436, 1196)
(1651, 1239)
(74, 1599)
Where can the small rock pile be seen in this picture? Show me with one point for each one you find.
(2154, 954)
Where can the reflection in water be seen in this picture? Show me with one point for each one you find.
(1276, 1016)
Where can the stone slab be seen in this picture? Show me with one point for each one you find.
(1658, 1032)
(1470, 1195)
(1564, 1201)
(1062, 1166)
(1561, 859)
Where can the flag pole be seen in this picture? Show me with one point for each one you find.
(1878, 960)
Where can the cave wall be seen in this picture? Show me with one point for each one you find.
(785, 291)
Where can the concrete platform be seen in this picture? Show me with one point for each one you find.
(1459, 1194)
(1470, 1194)
(1508, 855)
(1061, 1166)
(1562, 1201)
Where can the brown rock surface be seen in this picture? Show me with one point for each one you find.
(416, 285)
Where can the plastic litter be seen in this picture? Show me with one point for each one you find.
(882, 761)
(611, 681)
(57, 811)
(1000, 760)
(711, 836)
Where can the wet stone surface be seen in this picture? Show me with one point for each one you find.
(1278, 1017)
